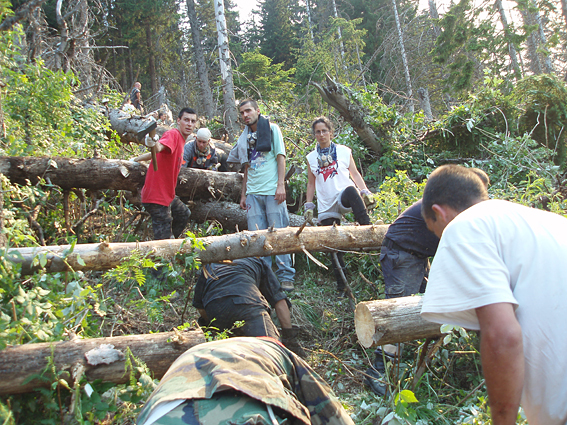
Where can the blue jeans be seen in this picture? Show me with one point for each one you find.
(404, 273)
(263, 211)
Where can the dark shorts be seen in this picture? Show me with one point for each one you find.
(227, 310)
(404, 273)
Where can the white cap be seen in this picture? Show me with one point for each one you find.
(204, 134)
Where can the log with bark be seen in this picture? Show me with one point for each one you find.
(391, 321)
(101, 174)
(352, 111)
(104, 256)
(98, 358)
(228, 214)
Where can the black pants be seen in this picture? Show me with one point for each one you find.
(170, 220)
(350, 198)
(256, 317)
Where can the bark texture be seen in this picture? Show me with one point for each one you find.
(130, 128)
(259, 243)
(230, 115)
(391, 321)
(158, 351)
(229, 215)
(201, 65)
(351, 110)
(100, 174)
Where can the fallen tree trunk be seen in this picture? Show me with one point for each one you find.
(104, 256)
(353, 112)
(229, 215)
(101, 174)
(391, 321)
(94, 357)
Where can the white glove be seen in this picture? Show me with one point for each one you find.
(133, 160)
(308, 211)
(150, 142)
(368, 199)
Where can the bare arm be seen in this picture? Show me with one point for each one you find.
(501, 348)
(282, 311)
(148, 155)
(280, 190)
(203, 313)
(356, 177)
(243, 193)
(310, 185)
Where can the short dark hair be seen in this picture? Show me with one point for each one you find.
(186, 111)
(482, 175)
(322, 120)
(452, 185)
(249, 100)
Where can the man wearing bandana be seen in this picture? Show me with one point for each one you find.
(200, 153)
(261, 150)
(340, 187)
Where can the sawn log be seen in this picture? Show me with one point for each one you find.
(101, 174)
(391, 321)
(229, 215)
(104, 256)
(158, 351)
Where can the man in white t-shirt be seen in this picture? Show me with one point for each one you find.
(501, 267)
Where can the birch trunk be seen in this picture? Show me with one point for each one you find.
(531, 42)
(404, 57)
(230, 113)
(199, 56)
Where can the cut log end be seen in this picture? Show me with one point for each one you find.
(364, 325)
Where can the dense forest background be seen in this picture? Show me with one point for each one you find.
(481, 84)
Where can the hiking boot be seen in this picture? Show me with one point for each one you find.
(287, 285)
(377, 374)
(289, 339)
(376, 382)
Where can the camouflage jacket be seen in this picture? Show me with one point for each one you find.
(260, 368)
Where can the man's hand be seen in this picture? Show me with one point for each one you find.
(368, 199)
(133, 160)
(243, 201)
(150, 142)
(308, 211)
(280, 193)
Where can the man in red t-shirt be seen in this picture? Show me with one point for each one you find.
(169, 214)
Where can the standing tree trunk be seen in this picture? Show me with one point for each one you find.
(423, 95)
(151, 63)
(511, 47)
(531, 41)
(564, 11)
(404, 57)
(230, 116)
(310, 22)
(199, 56)
(547, 66)
(2, 234)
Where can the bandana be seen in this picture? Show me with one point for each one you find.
(326, 156)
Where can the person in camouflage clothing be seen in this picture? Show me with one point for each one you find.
(242, 381)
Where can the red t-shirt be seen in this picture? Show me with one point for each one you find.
(159, 187)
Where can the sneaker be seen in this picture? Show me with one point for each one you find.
(375, 380)
(287, 285)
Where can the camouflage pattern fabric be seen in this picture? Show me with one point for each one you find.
(258, 368)
(170, 220)
(225, 408)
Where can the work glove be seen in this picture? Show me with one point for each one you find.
(289, 339)
(368, 199)
(150, 142)
(308, 211)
